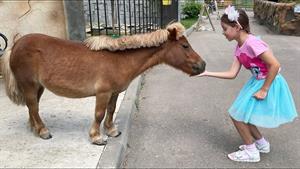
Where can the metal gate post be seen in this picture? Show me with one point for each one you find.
(75, 19)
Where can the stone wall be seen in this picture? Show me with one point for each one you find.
(18, 18)
(23, 17)
(62, 19)
(279, 17)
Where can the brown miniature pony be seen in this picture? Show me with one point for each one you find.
(101, 67)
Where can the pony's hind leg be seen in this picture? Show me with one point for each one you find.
(111, 129)
(40, 92)
(102, 100)
(31, 121)
(32, 96)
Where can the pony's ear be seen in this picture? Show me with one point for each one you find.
(173, 34)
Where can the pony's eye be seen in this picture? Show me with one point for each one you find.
(185, 46)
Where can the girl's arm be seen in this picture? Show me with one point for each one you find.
(273, 68)
(230, 74)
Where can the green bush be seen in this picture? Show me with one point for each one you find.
(191, 9)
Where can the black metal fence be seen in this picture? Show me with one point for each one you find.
(122, 17)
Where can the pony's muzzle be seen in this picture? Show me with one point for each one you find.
(198, 68)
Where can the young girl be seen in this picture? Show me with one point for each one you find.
(265, 100)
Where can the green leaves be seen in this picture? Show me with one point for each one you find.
(191, 9)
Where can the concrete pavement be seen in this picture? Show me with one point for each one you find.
(69, 119)
(183, 122)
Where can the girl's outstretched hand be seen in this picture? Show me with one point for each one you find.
(203, 74)
(260, 95)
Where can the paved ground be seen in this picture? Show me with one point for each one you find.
(182, 122)
(68, 120)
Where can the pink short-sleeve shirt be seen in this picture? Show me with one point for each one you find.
(248, 56)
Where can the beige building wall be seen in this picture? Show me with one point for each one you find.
(32, 16)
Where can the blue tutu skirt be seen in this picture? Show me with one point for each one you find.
(277, 108)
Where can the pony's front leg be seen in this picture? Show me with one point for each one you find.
(101, 104)
(111, 129)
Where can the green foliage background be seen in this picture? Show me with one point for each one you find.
(191, 9)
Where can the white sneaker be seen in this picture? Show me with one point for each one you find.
(265, 148)
(245, 156)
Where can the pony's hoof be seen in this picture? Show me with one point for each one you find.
(100, 142)
(117, 134)
(113, 132)
(45, 134)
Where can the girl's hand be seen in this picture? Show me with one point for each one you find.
(203, 74)
(261, 94)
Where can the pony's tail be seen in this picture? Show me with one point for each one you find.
(11, 86)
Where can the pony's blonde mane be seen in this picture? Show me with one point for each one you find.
(135, 41)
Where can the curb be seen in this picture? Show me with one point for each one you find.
(114, 151)
(189, 30)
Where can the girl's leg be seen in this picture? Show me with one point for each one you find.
(250, 152)
(255, 132)
(244, 131)
(260, 142)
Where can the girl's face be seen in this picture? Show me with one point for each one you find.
(231, 33)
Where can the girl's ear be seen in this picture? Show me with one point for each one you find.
(237, 27)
